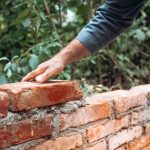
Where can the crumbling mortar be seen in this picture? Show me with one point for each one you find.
(128, 112)
(56, 126)
(112, 104)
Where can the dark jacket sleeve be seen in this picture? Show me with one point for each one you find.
(113, 17)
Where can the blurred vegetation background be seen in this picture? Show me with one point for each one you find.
(32, 31)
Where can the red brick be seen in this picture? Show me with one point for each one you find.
(138, 117)
(124, 136)
(4, 102)
(62, 143)
(27, 95)
(146, 148)
(138, 144)
(147, 129)
(123, 99)
(128, 101)
(99, 146)
(112, 126)
(26, 130)
(85, 114)
(142, 88)
(106, 96)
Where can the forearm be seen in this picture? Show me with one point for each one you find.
(73, 52)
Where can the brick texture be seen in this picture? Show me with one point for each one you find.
(26, 130)
(130, 100)
(147, 129)
(116, 120)
(146, 148)
(140, 143)
(142, 88)
(140, 116)
(85, 114)
(4, 102)
(100, 131)
(124, 136)
(107, 96)
(99, 146)
(62, 143)
(27, 95)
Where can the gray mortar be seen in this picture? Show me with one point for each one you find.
(71, 106)
(56, 126)
(67, 107)
(36, 113)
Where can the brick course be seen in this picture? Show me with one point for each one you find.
(25, 130)
(4, 102)
(112, 126)
(62, 143)
(124, 136)
(85, 115)
(28, 95)
(115, 120)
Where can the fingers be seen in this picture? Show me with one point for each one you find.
(33, 74)
(48, 73)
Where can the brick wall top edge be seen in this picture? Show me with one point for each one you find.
(142, 88)
(100, 97)
(19, 86)
(28, 95)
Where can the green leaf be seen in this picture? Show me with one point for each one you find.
(3, 79)
(14, 58)
(18, 70)
(26, 22)
(9, 73)
(7, 66)
(148, 33)
(34, 61)
(25, 69)
(4, 58)
(140, 35)
(42, 15)
(93, 61)
(47, 51)
(14, 67)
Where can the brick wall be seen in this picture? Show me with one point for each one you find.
(56, 116)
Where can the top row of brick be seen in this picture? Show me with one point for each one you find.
(28, 95)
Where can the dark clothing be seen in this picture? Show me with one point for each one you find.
(113, 17)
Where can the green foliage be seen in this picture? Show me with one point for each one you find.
(32, 31)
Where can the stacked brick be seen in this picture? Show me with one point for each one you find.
(56, 116)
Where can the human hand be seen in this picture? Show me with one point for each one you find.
(46, 70)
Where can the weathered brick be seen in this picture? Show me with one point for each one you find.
(112, 126)
(25, 130)
(140, 143)
(124, 136)
(147, 129)
(4, 102)
(123, 99)
(85, 114)
(106, 96)
(128, 101)
(27, 95)
(62, 143)
(99, 146)
(142, 88)
(146, 148)
(141, 116)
